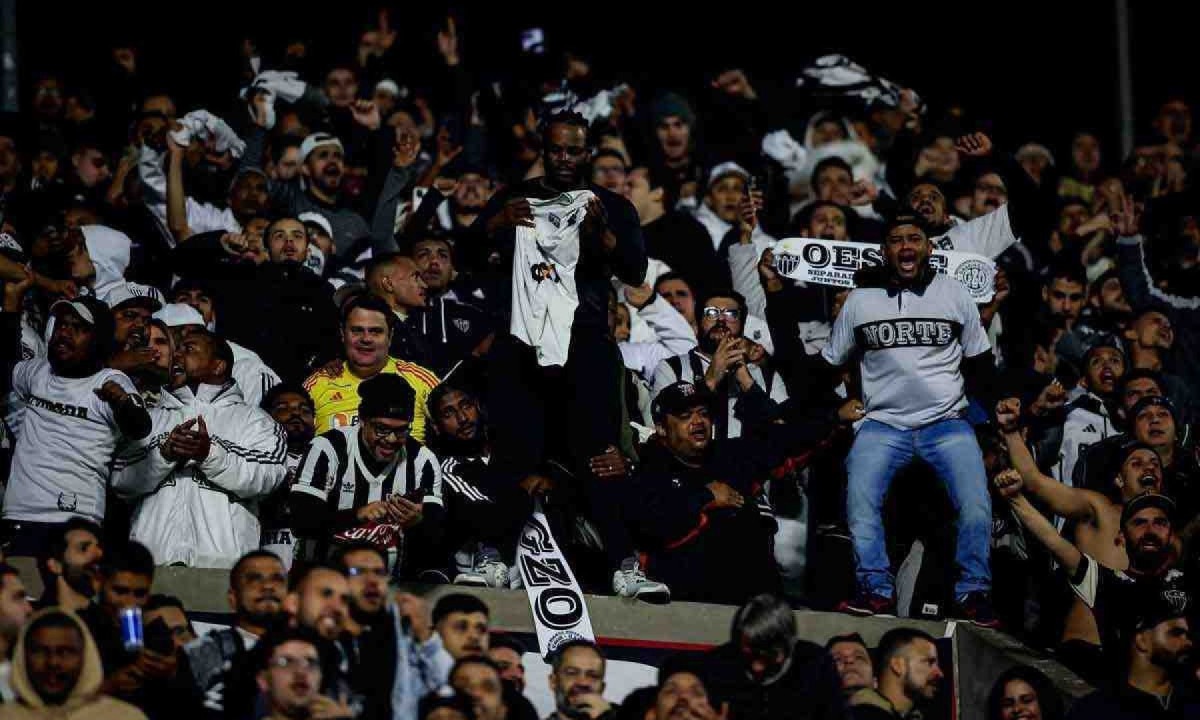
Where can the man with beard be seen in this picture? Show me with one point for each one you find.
(132, 306)
(387, 639)
(290, 406)
(577, 681)
(70, 565)
(209, 459)
(300, 334)
(1088, 420)
(916, 378)
(220, 661)
(674, 160)
(673, 236)
(682, 693)
(76, 413)
(562, 239)
(14, 611)
(994, 232)
(185, 216)
(766, 672)
(727, 363)
(1158, 647)
(478, 525)
(1064, 292)
(1147, 529)
(319, 186)
(373, 482)
(907, 676)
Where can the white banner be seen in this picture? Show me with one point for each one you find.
(834, 262)
(559, 612)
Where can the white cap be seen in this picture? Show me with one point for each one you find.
(389, 86)
(319, 219)
(1033, 149)
(149, 296)
(316, 140)
(177, 314)
(726, 168)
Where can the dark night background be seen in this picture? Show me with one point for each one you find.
(1037, 69)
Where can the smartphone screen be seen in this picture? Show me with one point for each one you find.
(533, 40)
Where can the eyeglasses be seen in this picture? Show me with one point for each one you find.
(712, 313)
(285, 662)
(383, 432)
(367, 572)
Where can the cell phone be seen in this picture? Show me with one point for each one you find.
(533, 41)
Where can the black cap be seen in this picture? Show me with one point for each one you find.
(1148, 500)
(1149, 400)
(386, 396)
(1128, 448)
(1103, 340)
(680, 396)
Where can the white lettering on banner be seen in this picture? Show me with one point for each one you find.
(559, 611)
(834, 262)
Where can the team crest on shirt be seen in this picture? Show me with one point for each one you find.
(463, 325)
(558, 222)
(544, 271)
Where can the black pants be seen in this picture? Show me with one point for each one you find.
(569, 414)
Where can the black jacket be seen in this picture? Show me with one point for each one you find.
(283, 312)
(808, 688)
(450, 331)
(707, 554)
(681, 241)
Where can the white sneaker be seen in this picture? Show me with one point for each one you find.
(629, 581)
(481, 569)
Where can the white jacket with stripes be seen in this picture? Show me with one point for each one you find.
(202, 514)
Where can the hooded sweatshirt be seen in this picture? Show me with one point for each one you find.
(85, 701)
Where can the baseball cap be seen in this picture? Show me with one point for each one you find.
(1157, 602)
(680, 396)
(316, 140)
(317, 219)
(389, 86)
(1103, 340)
(386, 396)
(1156, 400)
(131, 293)
(725, 169)
(91, 311)
(1148, 500)
(177, 314)
(1128, 448)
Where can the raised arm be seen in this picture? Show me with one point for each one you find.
(1073, 503)
(1067, 555)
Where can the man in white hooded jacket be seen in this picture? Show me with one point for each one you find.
(198, 477)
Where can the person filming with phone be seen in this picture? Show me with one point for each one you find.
(373, 482)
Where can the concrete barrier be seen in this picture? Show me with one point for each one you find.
(979, 655)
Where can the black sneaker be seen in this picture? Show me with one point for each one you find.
(976, 607)
(867, 604)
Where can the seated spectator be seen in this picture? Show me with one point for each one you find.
(1024, 692)
(366, 336)
(290, 406)
(445, 707)
(291, 676)
(577, 681)
(509, 655)
(726, 362)
(907, 674)
(69, 565)
(14, 612)
(57, 673)
(1155, 646)
(372, 481)
(461, 621)
(477, 678)
(169, 611)
(852, 659)
(210, 459)
(220, 661)
(395, 279)
(60, 463)
(765, 671)
(683, 693)
(697, 508)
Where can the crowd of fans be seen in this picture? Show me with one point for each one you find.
(358, 322)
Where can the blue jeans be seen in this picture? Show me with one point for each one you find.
(949, 446)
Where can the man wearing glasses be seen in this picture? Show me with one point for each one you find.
(372, 482)
(728, 364)
(291, 676)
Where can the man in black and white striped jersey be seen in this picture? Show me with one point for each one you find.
(373, 482)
